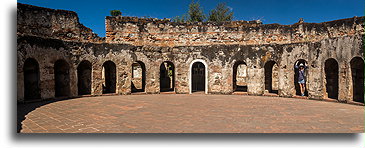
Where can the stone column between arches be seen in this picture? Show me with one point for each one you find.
(97, 81)
(344, 79)
(153, 77)
(182, 78)
(123, 77)
(315, 81)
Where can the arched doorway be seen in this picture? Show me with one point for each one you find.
(138, 77)
(62, 78)
(84, 78)
(271, 77)
(109, 75)
(357, 70)
(198, 77)
(331, 72)
(240, 77)
(31, 80)
(296, 74)
(167, 76)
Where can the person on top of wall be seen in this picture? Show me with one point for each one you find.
(301, 76)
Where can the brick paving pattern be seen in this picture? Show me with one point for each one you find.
(198, 113)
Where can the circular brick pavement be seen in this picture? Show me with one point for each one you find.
(198, 113)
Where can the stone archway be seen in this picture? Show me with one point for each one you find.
(198, 75)
(138, 77)
(31, 80)
(240, 77)
(109, 76)
(271, 77)
(357, 71)
(84, 78)
(331, 72)
(167, 76)
(296, 73)
(62, 78)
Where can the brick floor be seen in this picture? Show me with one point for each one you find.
(197, 113)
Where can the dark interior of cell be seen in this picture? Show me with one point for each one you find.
(331, 72)
(62, 78)
(198, 77)
(31, 80)
(269, 76)
(84, 78)
(167, 77)
(357, 70)
(110, 77)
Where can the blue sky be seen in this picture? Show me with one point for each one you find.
(92, 12)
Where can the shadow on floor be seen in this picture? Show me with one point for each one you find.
(24, 108)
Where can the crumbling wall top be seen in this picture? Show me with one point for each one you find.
(65, 25)
(163, 32)
(129, 19)
(52, 23)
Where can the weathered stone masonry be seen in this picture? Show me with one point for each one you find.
(59, 57)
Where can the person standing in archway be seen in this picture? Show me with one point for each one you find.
(301, 76)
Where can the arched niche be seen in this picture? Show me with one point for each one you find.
(167, 76)
(31, 80)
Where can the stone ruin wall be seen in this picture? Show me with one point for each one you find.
(155, 32)
(219, 45)
(51, 23)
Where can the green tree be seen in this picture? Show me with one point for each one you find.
(180, 19)
(195, 12)
(221, 13)
(115, 13)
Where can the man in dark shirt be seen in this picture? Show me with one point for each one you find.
(301, 76)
